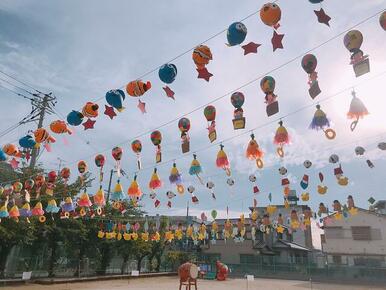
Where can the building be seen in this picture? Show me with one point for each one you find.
(359, 240)
(288, 247)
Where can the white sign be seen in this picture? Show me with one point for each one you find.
(250, 278)
(134, 273)
(26, 276)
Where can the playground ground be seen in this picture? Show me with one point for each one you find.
(170, 283)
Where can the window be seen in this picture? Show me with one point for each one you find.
(333, 233)
(365, 261)
(337, 260)
(361, 233)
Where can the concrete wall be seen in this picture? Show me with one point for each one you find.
(230, 251)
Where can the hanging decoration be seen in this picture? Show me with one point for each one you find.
(270, 15)
(82, 169)
(60, 127)
(360, 62)
(118, 195)
(52, 207)
(320, 122)
(321, 14)
(84, 202)
(236, 33)
(210, 186)
(201, 57)
(65, 174)
(338, 172)
(134, 191)
(115, 99)
(117, 155)
(322, 189)
(39, 212)
(267, 85)
(285, 183)
(100, 160)
(99, 200)
(136, 146)
(50, 184)
(252, 178)
(75, 118)
(184, 126)
(167, 74)
(305, 196)
(237, 100)
(196, 169)
(281, 138)
(90, 110)
(156, 139)
(357, 110)
(222, 161)
(27, 143)
(254, 152)
(360, 151)
(382, 20)
(154, 183)
(137, 89)
(309, 63)
(210, 115)
(176, 178)
(191, 190)
(42, 136)
(68, 207)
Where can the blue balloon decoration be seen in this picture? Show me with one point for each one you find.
(27, 142)
(315, 1)
(167, 73)
(115, 99)
(2, 156)
(75, 118)
(236, 34)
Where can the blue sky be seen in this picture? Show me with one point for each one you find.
(81, 49)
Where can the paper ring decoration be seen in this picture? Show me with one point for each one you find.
(116, 204)
(259, 163)
(82, 212)
(180, 189)
(66, 214)
(280, 152)
(262, 228)
(330, 134)
(353, 125)
(99, 211)
(42, 218)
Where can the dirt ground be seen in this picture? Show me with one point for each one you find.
(171, 283)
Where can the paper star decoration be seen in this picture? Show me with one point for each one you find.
(141, 106)
(109, 111)
(280, 229)
(14, 163)
(203, 73)
(89, 124)
(322, 17)
(250, 48)
(169, 92)
(277, 40)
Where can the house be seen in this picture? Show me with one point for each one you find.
(291, 246)
(359, 240)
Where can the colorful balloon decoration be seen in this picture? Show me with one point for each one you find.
(156, 139)
(155, 182)
(134, 190)
(254, 152)
(360, 62)
(210, 115)
(75, 118)
(267, 85)
(3, 157)
(137, 88)
(136, 146)
(222, 161)
(176, 178)
(196, 169)
(270, 15)
(236, 33)
(117, 155)
(237, 100)
(27, 142)
(100, 160)
(167, 73)
(320, 122)
(184, 126)
(201, 57)
(40, 180)
(82, 169)
(90, 110)
(11, 150)
(309, 63)
(60, 127)
(382, 20)
(357, 110)
(65, 174)
(115, 99)
(281, 138)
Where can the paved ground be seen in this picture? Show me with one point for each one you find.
(171, 283)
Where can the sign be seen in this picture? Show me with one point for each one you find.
(250, 278)
(26, 276)
(135, 273)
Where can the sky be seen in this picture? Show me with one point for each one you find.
(81, 49)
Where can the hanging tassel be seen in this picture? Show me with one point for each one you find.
(222, 161)
(14, 213)
(195, 169)
(134, 190)
(155, 181)
(176, 178)
(84, 200)
(357, 110)
(118, 192)
(281, 138)
(320, 122)
(254, 152)
(99, 198)
(52, 206)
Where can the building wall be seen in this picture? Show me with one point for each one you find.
(230, 251)
(340, 242)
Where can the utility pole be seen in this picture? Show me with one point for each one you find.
(44, 107)
(109, 188)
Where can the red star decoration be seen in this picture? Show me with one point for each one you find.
(277, 40)
(14, 163)
(109, 111)
(203, 73)
(250, 48)
(169, 92)
(89, 124)
(141, 106)
(322, 17)
(27, 155)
